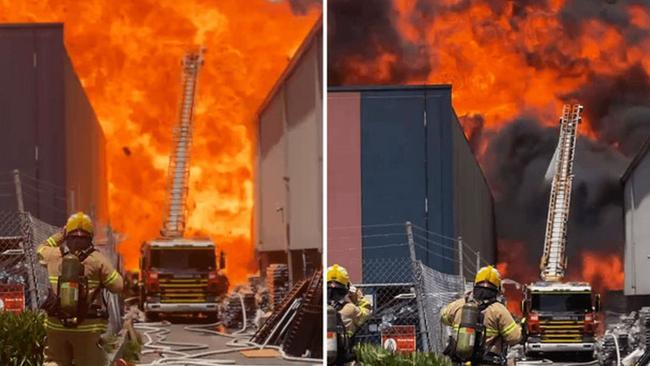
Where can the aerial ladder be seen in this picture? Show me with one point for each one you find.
(560, 316)
(554, 260)
(178, 172)
(179, 274)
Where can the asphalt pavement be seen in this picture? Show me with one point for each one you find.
(178, 333)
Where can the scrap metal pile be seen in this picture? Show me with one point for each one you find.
(632, 337)
(292, 322)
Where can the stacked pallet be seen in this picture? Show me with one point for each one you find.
(277, 279)
(233, 314)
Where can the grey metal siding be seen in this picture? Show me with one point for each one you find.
(637, 230)
(289, 178)
(87, 180)
(32, 94)
(50, 133)
(17, 117)
(304, 151)
(272, 186)
(473, 203)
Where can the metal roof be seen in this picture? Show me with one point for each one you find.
(637, 159)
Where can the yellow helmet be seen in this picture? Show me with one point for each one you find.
(486, 275)
(338, 274)
(79, 221)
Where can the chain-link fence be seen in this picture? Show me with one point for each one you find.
(407, 295)
(20, 233)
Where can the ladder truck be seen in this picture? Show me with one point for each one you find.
(178, 274)
(560, 316)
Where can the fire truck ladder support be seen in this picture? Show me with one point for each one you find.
(179, 161)
(554, 261)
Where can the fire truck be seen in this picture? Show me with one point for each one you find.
(179, 274)
(560, 316)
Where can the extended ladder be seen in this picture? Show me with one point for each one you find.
(554, 260)
(179, 162)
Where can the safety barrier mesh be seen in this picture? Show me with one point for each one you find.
(407, 304)
(20, 233)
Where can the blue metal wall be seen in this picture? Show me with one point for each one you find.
(406, 152)
(416, 166)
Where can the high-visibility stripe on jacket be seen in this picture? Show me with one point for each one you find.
(88, 325)
(98, 270)
(500, 327)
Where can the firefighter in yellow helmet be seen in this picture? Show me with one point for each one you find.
(478, 314)
(77, 272)
(347, 300)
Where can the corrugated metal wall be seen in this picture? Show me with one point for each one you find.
(52, 135)
(415, 166)
(637, 230)
(87, 180)
(472, 199)
(31, 70)
(288, 201)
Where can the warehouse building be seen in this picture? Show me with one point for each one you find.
(398, 154)
(636, 188)
(50, 132)
(288, 182)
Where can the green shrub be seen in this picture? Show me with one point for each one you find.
(22, 338)
(371, 355)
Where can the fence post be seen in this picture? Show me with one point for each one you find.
(29, 250)
(19, 191)
(460, 257)
(478, 260)
(419, 288)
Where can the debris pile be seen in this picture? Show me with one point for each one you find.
(293, 320)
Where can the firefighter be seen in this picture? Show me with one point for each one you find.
(76, 316)
(495, 325)
(349, 301)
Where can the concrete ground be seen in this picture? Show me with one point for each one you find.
(214, 342)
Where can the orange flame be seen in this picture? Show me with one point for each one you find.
(488, 63)
(127, 55)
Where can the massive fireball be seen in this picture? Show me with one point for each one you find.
(127, 55)
(512, 65)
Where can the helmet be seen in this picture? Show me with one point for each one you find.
(488, 277)
(339, 275)
(79, 224)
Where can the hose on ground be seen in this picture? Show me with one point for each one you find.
(179, 352)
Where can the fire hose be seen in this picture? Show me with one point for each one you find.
(180, 350)
(618, 351)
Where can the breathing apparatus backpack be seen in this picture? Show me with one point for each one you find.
(72, 288)
(469, 341)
